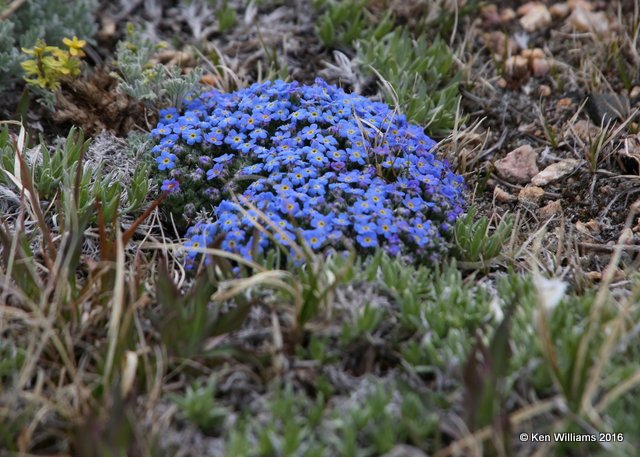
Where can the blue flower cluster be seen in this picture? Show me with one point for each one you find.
(333, 168)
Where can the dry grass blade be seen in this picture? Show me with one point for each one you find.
(300, 251)
(209, 251)
(518, 417)
(616, 327)
(11, 8)
(278, 279)
(117, 307)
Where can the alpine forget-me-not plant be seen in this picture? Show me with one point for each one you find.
(333, 168)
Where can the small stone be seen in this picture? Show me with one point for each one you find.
(490, 14)
(171, 57)
(544, 90)
(519, 166)
(551, 209)
(593, 226)
(585, 130)
(537, 17)
(529, 128)
(588, 228)
(584, 4)
(501, 83)
(635, 92)
(524, 9)
(531, 195)
(507, 15)
(564, 104)
(108, 29)
(537, 53)
(588, 21)
(502, 195)
(209, 79)
(594, 276)
(500, 44)
(517, 67)
(540, 67)
(559, 10)
(554, 172)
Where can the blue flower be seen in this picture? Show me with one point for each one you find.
(367, 240)
(166, 161)
(161, 130)
(365, 226)
(258, 133)
(289, 206)
(215, 172)
(386, 228)
(315, 238)
(320, 221)
(235, 139)
(197, 241)
(223, 158)
(168, 115)
(192, 136)
(356, 156)
(364, 206)
(216, 137)
(299, 115)
(414, 204)
(170, 185)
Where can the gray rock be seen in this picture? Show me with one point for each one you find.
(606, 108)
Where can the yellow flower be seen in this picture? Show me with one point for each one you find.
(75, 46)
(30, 67)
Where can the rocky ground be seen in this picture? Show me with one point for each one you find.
(547, 130)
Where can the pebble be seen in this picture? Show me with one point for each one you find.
(593, 226)
(490, 15)
(524, 9)
(593, 276)
(108, 29)
(500, 44)
(584, 4)
(551, 209)
(517, 67)
(507, 15)
(544, 90)
(588, 21)
(564, 104)
(554, 172)
(536, 17)
(502, 195)
(535, 53)
(559, 10)
(583, 129)
(590, 228)
(519, 166)
(531, 195)
(540, 67)
(209, 79)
